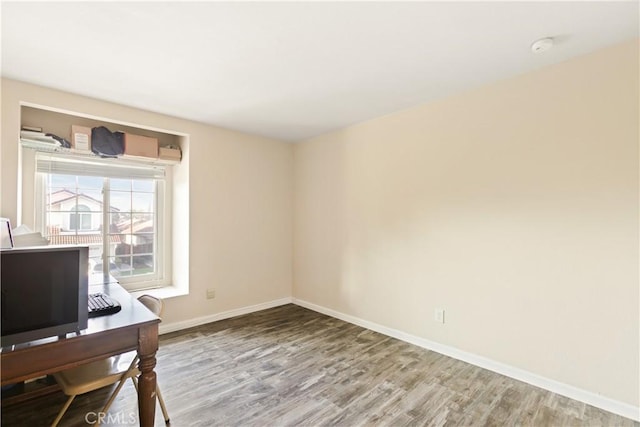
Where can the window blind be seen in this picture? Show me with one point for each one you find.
(111, 168)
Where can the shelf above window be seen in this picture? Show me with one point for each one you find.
(53, 148)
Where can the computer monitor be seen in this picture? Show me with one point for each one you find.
(44, 292)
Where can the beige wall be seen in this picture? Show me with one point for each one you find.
(514, 207)
(239, 192)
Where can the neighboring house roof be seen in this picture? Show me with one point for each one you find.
(63, 195)
(144, 226)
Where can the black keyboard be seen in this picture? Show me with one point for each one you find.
(101, 304)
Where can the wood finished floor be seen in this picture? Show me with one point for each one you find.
(290, 366)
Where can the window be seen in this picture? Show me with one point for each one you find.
(115, 209)
(80, 218)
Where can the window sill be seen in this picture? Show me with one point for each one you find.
(165, 292)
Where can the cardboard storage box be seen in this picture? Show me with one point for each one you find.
(81, 138)
(141, 146)
(169, 153)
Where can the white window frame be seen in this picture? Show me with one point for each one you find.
(162, 253)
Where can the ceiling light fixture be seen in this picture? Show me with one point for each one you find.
(542, 45)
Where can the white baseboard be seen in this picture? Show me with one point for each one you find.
(590, 398)
(185, 324)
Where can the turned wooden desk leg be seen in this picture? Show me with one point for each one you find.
(147, 347)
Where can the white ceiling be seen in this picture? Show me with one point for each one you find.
(293, 70)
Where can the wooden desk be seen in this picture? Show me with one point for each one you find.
(134, 327)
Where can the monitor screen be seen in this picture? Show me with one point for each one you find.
(44, 292)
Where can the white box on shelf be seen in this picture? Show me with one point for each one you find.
(81, 138)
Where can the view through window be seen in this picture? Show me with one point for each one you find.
(115, 217)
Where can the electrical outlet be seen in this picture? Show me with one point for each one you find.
(211, 293)
(438, 315)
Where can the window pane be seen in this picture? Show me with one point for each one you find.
(60, 198)
(118, 245)
(90, 182)
(120, 184)
(142, 223)
(120, 201)
(120, 220)
(143, 264)
(123, 262)
(143, 202)
(133, 243)
(131, 223)
(143, 243)
(55, 222)
(145, 185)
(90, 199)
(122, 265)
(68, 181)
(115, 243)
